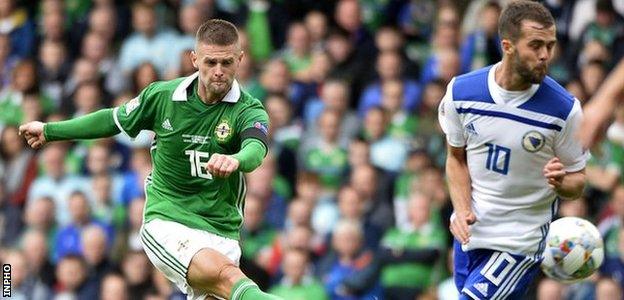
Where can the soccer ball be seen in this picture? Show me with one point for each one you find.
(574, 250)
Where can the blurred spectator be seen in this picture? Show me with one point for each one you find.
(297, 52)
(387, 153)
(36, 250)
(83, 70)
(334, 96)
(54, 68)
(482, 47)
(71, 274)
(142, 76)
(7, 60)
(95, 253)
(549, 289)
(402, 124)
(52, 25)
(349, 271)
(262, 183)
(324, 209)
(368, 183)
(105, 21)
(608, 289)
(443, 64)
(137, 270)
(256, 236)
(276, 79)
(592, 75)
(610, 227)
(348, 65)
(24, 80)
(87, 99)
(409, 256)
(10, 219)
(128, 238)
(19, 165)
(323, 154)
(389, 67)
(352, 207)
(297, 283)
(416, 19)
(23, 284)
(69, 237)
(19, 27)
(147, 42)
(39, 215)
(191, 16)
(284, 130)
(348, 16)
(140, 168)
(416, 163)
(299, 214)
(607, 26)
(446, 289)
(55, 182)
(114, 287)
(107, 208)
(317, 24)
(97, 49)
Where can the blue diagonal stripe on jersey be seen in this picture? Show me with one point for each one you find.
(504, 115)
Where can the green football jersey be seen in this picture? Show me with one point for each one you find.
(188, 131)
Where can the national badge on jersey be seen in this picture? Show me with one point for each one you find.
(223, 131)
(533, 141)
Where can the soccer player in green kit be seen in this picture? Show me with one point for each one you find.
(208, 132)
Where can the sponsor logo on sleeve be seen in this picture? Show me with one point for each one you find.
(132, 105)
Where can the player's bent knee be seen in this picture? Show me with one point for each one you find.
(213, 272)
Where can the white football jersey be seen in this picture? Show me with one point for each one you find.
(509, 137)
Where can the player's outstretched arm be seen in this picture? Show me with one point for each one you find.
(459, 187)
(602, 105)
(247, 159)
(95, 125)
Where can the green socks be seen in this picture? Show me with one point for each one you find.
(245, 289)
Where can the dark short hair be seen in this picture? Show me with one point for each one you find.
(217, 32)
(510, 22)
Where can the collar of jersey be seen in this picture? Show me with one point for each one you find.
(180, 92)
(518, 97)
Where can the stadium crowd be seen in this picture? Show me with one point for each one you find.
(351, 201)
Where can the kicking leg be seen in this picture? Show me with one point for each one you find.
(214, 273)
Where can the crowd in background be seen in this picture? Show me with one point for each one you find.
(350, 203)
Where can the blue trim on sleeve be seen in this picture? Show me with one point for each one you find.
(550, 99)
(473, 87)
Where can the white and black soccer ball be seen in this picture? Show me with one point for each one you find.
(574, 250)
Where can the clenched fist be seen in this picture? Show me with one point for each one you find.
(554, 173)
(221, 165)
(33, 133)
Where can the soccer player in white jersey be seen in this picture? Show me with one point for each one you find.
(512, 152)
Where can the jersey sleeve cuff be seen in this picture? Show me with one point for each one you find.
(580, 165)
(455, 143)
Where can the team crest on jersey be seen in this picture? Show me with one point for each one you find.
(223, 131)
(533, 141)
(131, 105)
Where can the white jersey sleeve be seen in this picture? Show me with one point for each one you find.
(449, 119)
(568, 147)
